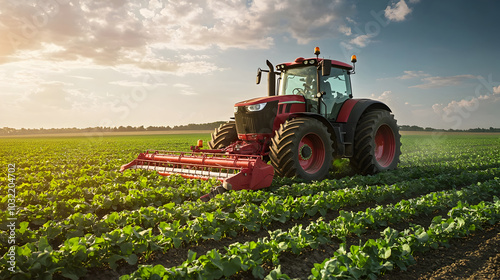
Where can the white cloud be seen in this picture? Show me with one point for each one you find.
(122, 32)
(185, 89)
(453, 106)
(26, 77)
(496, 89)
(55, 97)
(350, 20)
(462, 106)
(464, 113)
(361, 40)
(51, 95)
(82, 77)
(391, 99)
(412, 75)
(191, 57)
(345, 30)
(385, 96)
(197, 67)
(408, 75)
(346, 46)
(129, 83)
(436, 82)
(397, 11)
(404, 111)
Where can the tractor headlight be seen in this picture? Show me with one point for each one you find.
(256, 107)
(236, 109)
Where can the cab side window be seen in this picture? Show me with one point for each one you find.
(337, 88)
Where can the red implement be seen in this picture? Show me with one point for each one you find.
(236, 172)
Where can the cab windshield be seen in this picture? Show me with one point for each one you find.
(299, 81)
(335, 88)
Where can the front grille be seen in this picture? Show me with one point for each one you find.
(256, 122)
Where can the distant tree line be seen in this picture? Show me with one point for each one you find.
(191, 126)
(419, 128)
(29, 131)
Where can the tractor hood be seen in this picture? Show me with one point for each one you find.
(279, 98)
(259, 118)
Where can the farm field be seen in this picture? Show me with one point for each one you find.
(77, 217)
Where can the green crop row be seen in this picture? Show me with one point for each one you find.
(251, 255)
(130, 241)
(86, 214)
(192, 222)
(395, 248)
(79, 224)
(110, 191)
(143, 193)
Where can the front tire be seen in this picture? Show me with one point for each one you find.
(223, 136)
(377, 143)
(302, 147)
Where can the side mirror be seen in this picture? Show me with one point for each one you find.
(326, 67)
(259, 75)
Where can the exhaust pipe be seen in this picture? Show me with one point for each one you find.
(271, 80)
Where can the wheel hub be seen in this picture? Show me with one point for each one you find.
(305, 152)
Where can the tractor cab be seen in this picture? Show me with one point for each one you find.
(324, 84)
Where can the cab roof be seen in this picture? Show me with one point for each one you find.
(312, 61)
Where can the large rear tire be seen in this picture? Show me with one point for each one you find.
(223, 136)
(377, 143)
(302, 147)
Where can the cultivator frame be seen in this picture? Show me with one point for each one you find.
(234, 171)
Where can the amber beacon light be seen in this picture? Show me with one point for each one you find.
(316, 51)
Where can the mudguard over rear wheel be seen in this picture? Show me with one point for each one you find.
(377, 143)
(223, 136)
(302, 147)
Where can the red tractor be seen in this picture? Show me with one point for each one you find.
(301, 127)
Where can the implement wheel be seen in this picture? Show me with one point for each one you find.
(302, 147)
(223, 136)
(377, 144)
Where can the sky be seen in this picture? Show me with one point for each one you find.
(83, 63)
